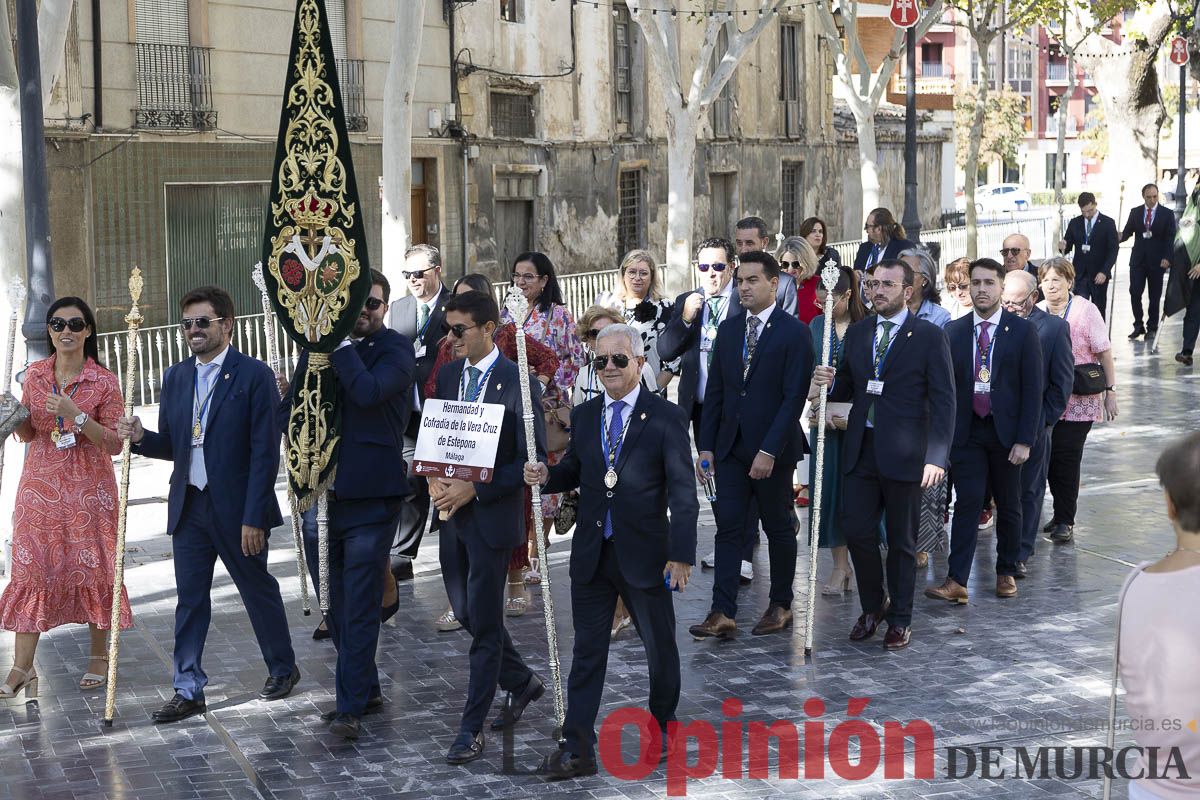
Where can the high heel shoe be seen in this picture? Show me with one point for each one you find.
(91, 680)
(516, 606)
(29, 683)
(840, 580)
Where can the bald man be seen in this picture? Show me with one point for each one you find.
(1020, 297)
(1016, 251)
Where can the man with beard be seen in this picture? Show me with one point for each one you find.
(217, 424)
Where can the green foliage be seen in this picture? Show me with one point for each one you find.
(1095, 133)
(1003, 124)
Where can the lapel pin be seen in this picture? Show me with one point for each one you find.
(226, 376)
(370, 344)
(1006, 329)
(499, 386)
(910, 333)
(643, 415)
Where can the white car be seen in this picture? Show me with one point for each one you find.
(996, 198)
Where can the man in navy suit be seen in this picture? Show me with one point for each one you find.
(895, 369)
(217, 424)
(885, 240)
(999, 380)
(487, 520)
(1091, 239)
(750, 434)
(1154, 227)
(630, 459)
(750, 236)
(374, 369)
(1020, 296)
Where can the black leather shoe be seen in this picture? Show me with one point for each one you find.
(515, 702)
(346, 726)
(279, 688)
(1138, 330)
(402, 568)
(374, 706)
(466, 748)
(866, 625)
(1062, 534)
(387, 612)
(561, 765)
(1184, 358)
(1022, 570)
(1049, 526)
(177, 708)
(897, 637)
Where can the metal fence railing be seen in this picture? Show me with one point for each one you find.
(174, 87)
(1040, 227)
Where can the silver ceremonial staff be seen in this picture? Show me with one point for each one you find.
(829, 279)
(273, 358)
(16, 301)
(518, 307)
(134, 320)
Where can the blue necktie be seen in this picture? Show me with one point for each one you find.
(614, 448)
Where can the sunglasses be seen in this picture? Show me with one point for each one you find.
(201, 323)
(58, 324)
(717, 267)
(373, 303)
(619, 360)
(457, 331)
(954, 287)
(1010, 251)
(408, 276)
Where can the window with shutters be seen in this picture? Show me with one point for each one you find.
(512, 10)
(174, 84)
(512, 115)
(791, 185)
(789, 78)
(631, 211)
(622, 63)
(722, 107)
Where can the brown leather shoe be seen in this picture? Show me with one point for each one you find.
(897, 637)
(774, 620)
(865, 627)
(715, 625)
(951, 590)
(1006, 586)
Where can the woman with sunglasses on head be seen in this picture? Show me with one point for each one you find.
(65, 517)
(798, 258)
(543, 364)
(638, 296)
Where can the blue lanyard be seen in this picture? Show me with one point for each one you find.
(875, 349)
(462, 383)
(70, 393)
(199, 418)
(1087, 230)
(1067, 311)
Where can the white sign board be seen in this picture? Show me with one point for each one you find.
(458, 440)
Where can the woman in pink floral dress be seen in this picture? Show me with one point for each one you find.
(549, 322)
(65, 519)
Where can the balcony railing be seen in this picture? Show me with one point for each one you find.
(934, 69)
(354, 95)
(1056, 71)
(1052, 125)
(174, 88)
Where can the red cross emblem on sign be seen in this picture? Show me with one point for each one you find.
(904, 13)
(1179, 51)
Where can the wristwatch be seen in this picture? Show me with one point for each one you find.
(81, 420)
(1112, 388)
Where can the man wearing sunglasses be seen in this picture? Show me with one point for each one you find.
(217, 424)
(629, 457)
(417, 316)
(1020, 298)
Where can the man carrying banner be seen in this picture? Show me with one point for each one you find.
(486, 518)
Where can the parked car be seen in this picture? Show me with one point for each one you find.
(996, 198)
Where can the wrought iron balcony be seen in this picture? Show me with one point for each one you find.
(354, 94)
(174, 88)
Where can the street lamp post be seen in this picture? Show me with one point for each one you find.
(912, 214)
(1180, 184)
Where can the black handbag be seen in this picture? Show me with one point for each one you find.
(1089, 379)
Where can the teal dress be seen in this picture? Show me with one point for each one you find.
(831, 534)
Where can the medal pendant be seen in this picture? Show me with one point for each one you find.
(55, 436)
(196, 431)
(985, 374)
(610, 478)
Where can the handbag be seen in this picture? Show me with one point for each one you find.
(568, 510)
(12, 414)
(1089, 379)
(558, 433)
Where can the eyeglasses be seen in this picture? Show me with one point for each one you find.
(870, 226)
(1011, 304)
(76, 324)
(457, 331)
(525, 277)
(373, 303)
(418, 273)
(889, 285)
(1010, 251)
(717, 267)
(619, 360)
(200, 322)
(954, 287)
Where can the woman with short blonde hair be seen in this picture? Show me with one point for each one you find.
(798, 258)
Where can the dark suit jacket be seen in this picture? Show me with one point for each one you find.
(241, 441)
(375, 378)
(1054, 334)
(893, 249)
(497, 517)
(682, 341)
(914, 417)
(764, 409)
(1160, 245)
(403, 320)
(655, 474)
(1018, 378)
(1103, 243)
(786, 293)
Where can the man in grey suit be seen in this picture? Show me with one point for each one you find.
(750, 237)
(417, 316)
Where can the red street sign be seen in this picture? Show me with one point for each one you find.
(1179, 51)
(904, 13)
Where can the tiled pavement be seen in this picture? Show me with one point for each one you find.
(1031, 671)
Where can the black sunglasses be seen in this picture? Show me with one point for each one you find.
(408, 276)
(201, 323)
(719, 267)
(1010, 251)
(373, 303)
(619, 360)
(458, 330)
(76, 324)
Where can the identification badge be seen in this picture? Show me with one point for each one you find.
(874, 387)
(706, 344)
(421, 351)
(1086, 248)
(1147, 234)
(198, 441)
(65, 441)
(983, 387)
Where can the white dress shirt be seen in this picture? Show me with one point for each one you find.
(897, 321)
(630, 400)
(483, 365)
(207, 375)
(727, 293)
